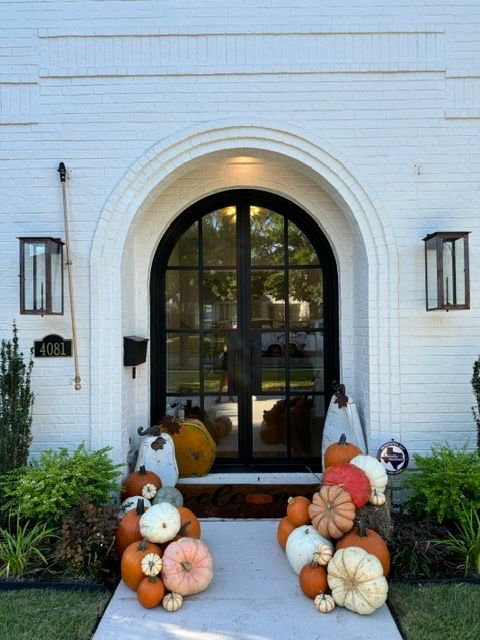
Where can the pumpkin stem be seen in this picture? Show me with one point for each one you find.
(291, 500)
(362, 529)
(140, 507)
(343, 439)
(142, 471)
(142, 545)
(186, 565)
(152, 578)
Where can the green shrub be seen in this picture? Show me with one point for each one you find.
(53, 487)
(87, 541)
(24, 548)
(446, 482)
(16, 401)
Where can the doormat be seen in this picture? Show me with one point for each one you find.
(242, 500)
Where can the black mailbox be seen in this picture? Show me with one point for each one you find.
(134, 350)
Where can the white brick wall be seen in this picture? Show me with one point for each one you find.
(376, 109)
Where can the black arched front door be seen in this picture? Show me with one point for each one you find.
(244, 328)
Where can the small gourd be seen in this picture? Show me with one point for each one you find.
(322, 555)
(160, 523)
(169, 494)
(324, 603)
(149, 491)
(377, 498)
(172, 601)
(151, 564)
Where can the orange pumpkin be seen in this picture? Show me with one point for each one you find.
(332, 512)
(369, 540)
(285, 528)
(190, 526)
(341, 452)
(150, 592)
(297, 510)
(313, 580)
(136, 480)
(131, 565)
(128, 529)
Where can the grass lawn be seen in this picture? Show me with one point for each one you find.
(50, 614)
(436, 611)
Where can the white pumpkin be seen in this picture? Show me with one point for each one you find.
(161, 460)
(356, 580)
(131, 503)
(301, 545)
(374, 469)
(377, 498)
(172, 601)
(160, 523)
(324, 603)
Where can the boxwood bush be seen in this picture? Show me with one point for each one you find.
(445, 483)
(51, 488)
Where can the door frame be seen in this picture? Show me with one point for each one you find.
(183, 221)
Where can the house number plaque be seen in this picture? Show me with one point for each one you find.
(53, 346)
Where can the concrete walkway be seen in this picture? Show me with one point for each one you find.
(254, 595)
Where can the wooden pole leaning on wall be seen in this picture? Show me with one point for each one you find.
(62, 170)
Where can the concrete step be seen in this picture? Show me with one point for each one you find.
(254, 595)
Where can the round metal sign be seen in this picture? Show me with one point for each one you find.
(394, 457)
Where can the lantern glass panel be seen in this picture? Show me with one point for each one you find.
(448, 272)
(35, 259)
(56, 277)
(432, 274)
(460, 271)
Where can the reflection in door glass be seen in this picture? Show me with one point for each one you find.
(300, 249)
(266, 237)
(306, 360)
(219, 238)
(220, 299)
(307, 415)
(218, 360)
(268, 298)
(183, 363)
(185, 253)
(182, 299)
(270, 348)
(305, 289)
(269, 427)
(221, 419)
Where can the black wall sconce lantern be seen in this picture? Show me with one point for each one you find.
(134, 352)
(447, 278)
(41, 276)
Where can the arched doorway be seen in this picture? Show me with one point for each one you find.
(244, 327)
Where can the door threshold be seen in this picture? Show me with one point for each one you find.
(264, 478)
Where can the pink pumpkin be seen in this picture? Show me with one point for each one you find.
(187, 567)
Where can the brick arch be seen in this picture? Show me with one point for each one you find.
(141, 184)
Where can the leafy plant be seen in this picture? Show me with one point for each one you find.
(446, 482)
(86, 545)
(24, 548)
(50, 489)
(16, 401)
(476, 393)
(465, 542)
